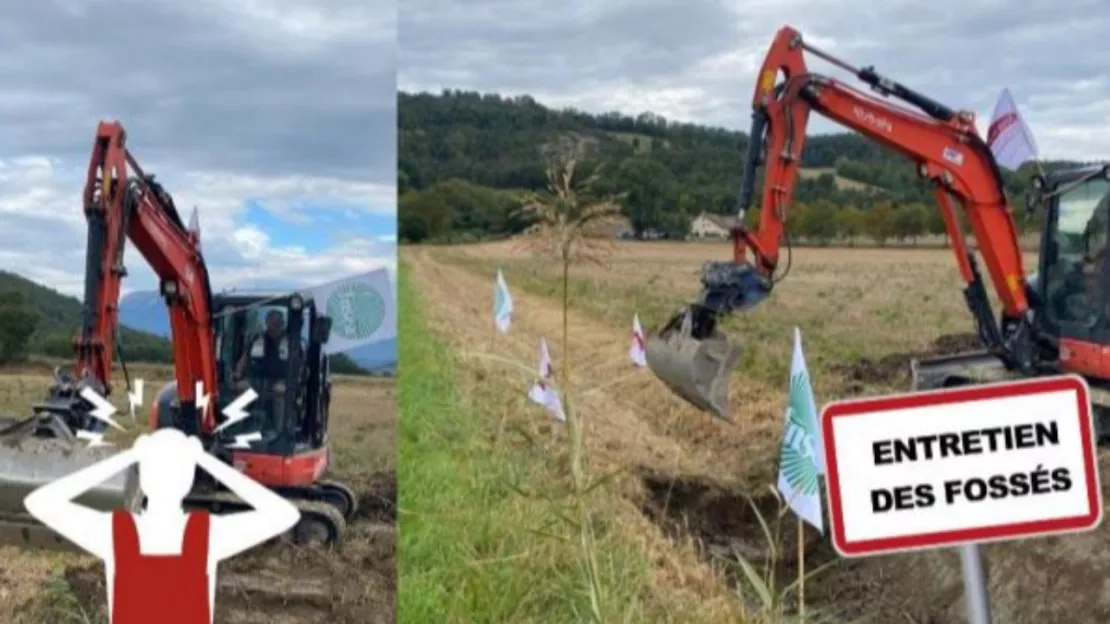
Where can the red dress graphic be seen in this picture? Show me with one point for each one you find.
(163, 589)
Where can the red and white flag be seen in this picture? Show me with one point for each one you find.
(1009, 138)
(636, 351)
(542, 392)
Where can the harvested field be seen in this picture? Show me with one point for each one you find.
(685, 485)
(279, 583)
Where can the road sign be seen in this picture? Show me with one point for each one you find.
(962, 465)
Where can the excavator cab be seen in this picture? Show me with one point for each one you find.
(1072, 283)
(288, 371)
(282, 440)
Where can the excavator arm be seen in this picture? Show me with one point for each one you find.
(695, 359)
(123, 203)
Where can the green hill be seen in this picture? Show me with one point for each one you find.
(465, 156)
(55, 318)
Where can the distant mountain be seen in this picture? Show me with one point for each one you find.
(145, 310)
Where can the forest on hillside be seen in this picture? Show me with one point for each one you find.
(36, 320)
(466, 159)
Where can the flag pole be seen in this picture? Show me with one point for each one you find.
(801, 570)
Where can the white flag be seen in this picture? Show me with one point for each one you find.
(502, 303)
(801, 460)
(636, 349)
(194, 225)
(1009, 139)
(542, 392)
(362, 309)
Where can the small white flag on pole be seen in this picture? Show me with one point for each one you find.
(636, 351)
(542, 392)
(801, 460)
(502, 303)
(194, 224)
(1009, 139)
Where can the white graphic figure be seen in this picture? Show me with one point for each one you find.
(161, 563)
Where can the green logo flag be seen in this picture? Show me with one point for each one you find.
(362, 308)
(801, 460)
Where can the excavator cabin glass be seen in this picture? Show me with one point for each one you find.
(1073, 274)
(266, 345)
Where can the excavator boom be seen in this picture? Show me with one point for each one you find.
(121, 203)
(695, 359)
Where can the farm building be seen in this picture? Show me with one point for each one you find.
(709, 225)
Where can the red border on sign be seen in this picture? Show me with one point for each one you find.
(1038, 385)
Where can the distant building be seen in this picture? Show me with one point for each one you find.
(709, 225)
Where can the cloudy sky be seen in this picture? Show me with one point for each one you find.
(275, 117)
(696, 60)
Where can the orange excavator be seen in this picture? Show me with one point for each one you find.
(278, 436)
(1057, 320)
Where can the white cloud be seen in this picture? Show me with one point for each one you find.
(286, 103)
(44, 234)
(697, 60)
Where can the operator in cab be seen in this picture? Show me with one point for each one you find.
(1079, 298)
(268, 355)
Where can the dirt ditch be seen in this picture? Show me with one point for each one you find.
(726, 524)
(895, 368)
(1031, 581)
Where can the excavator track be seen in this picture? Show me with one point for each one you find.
(320, 524)
(325, 509)
(337, 495)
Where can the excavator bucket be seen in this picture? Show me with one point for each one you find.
(689, 353)
(36, 451)
(696, 370)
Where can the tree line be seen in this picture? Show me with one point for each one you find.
(823, 223)
(465, 159)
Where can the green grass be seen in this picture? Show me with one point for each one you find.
(477, 544)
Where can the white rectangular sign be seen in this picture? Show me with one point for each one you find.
(970, 464)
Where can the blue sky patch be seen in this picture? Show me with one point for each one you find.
(319, 225)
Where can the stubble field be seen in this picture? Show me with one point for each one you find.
(276, 583)
(679, 505)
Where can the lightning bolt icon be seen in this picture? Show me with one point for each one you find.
(235, 413)
(94, 439)
(102, 409)
(135, 397)
(202, 399)
(243, 440)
